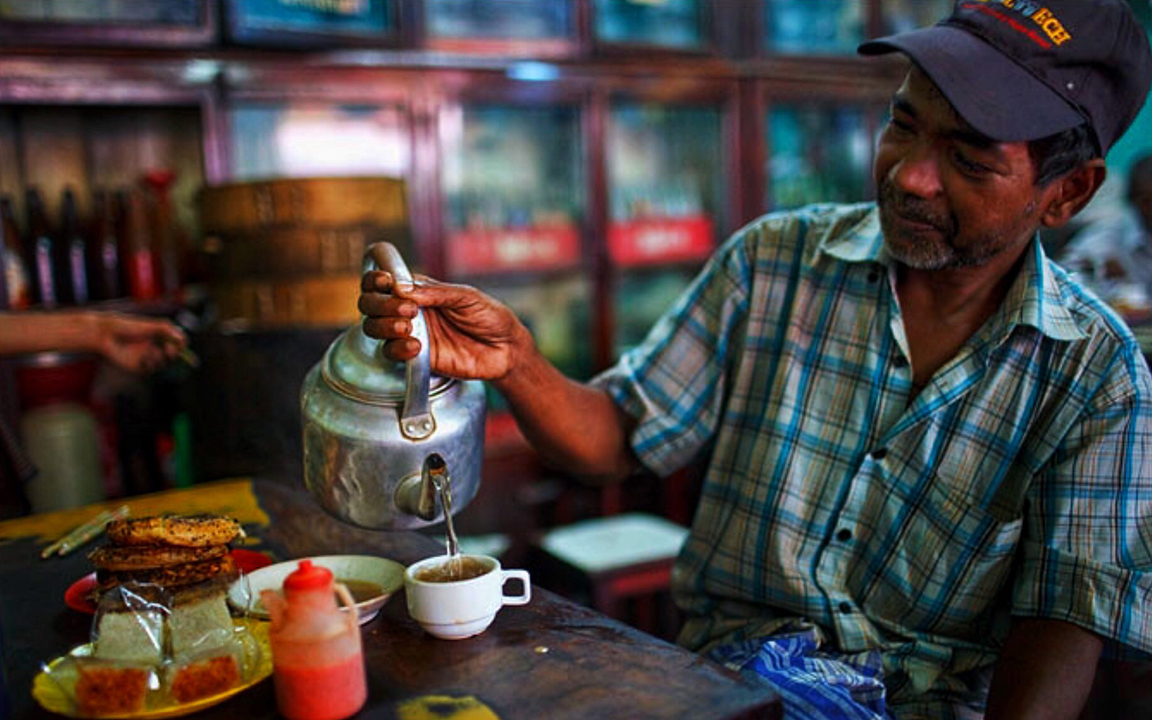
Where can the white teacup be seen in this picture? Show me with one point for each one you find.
(453, 609)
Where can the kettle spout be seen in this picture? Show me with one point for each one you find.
(417, 495)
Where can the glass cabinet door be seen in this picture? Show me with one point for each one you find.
(666, 189)
(904, 15)
(277, 22)
(531, 20)
(512, 181)
(817, 27)
(672, 24)
(269, 140)
(817, 153)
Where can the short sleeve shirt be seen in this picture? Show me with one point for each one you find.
(1017, 482)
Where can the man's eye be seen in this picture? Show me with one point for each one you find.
(900, 125)
(968, 165)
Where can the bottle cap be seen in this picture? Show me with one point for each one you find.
(307, 576)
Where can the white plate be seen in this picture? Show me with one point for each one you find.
(388, 574)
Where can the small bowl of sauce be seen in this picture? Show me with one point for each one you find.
(370, 581)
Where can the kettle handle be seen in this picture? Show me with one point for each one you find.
(416, 420)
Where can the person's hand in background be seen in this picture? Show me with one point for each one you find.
(132, 342)
(138, 344)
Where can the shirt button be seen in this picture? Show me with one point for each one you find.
(900, 361)
(843, 534)
(845, 607)
(873, 276)
(880, 453)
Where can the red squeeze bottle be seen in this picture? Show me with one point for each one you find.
(317, 658)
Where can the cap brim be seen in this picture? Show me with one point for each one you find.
(997, 97)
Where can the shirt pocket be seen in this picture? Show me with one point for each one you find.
(943, 564)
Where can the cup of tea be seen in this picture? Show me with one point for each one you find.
(455, 597)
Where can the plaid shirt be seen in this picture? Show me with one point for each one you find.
(1018, 481)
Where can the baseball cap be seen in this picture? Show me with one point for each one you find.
(1019, 70)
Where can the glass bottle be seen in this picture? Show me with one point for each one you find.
(137, 255)
(165, 240)
(317, 658)
(42, 251)
(104, 248)
(73, 256)
(17, 279)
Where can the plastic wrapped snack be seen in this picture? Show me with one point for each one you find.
(129, 624)
(154, 649)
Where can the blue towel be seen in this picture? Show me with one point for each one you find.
(814, 685)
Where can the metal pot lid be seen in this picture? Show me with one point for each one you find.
(355, 366)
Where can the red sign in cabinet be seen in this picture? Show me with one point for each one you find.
(651, 241)
(545, 247)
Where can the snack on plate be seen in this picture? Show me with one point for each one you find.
(121, 558)
(179, 530)
(199, 623)
(171, 576)
(172, 551)
(204, 674)
(162, 633)
(107, 687)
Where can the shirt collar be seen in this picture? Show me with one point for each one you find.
(1035, 298)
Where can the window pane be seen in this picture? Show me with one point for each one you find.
(511, 19)
(310, 140)
(105, 12)
(818, 154)
(670, 23)
(360, 17)
(905, 15)
(813, 26)
(666, 186)
(513, 188)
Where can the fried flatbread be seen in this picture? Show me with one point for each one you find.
(151, 557)
(182, 530)
(172, 576)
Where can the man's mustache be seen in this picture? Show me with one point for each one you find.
(911, 208)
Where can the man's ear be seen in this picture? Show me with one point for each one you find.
(1068, 194)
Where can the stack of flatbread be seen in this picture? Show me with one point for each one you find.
(172, 551)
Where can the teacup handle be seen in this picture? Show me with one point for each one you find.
(522, 576)
(416, 420)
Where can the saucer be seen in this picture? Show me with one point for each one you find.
(387, 575)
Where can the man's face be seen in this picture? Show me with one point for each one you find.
(948, 196)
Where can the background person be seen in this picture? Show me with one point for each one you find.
(1113, 255)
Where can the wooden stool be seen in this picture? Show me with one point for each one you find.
(613, 560)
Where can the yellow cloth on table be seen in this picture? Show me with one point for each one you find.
(233, 498)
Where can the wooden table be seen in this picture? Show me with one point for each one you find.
(549, 659)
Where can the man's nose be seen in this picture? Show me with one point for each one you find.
(917, 172)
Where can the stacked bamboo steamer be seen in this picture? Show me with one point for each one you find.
(288, 253)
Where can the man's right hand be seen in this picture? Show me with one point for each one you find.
(471, 335)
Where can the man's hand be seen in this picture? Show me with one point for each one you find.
(137, 344)
(471, 335)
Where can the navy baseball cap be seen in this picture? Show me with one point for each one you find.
(1019, 70)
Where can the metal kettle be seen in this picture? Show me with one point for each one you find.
(380, 435)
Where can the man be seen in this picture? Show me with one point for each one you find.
(1114, 255)
(929, 486)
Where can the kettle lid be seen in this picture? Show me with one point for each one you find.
(355, 366)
